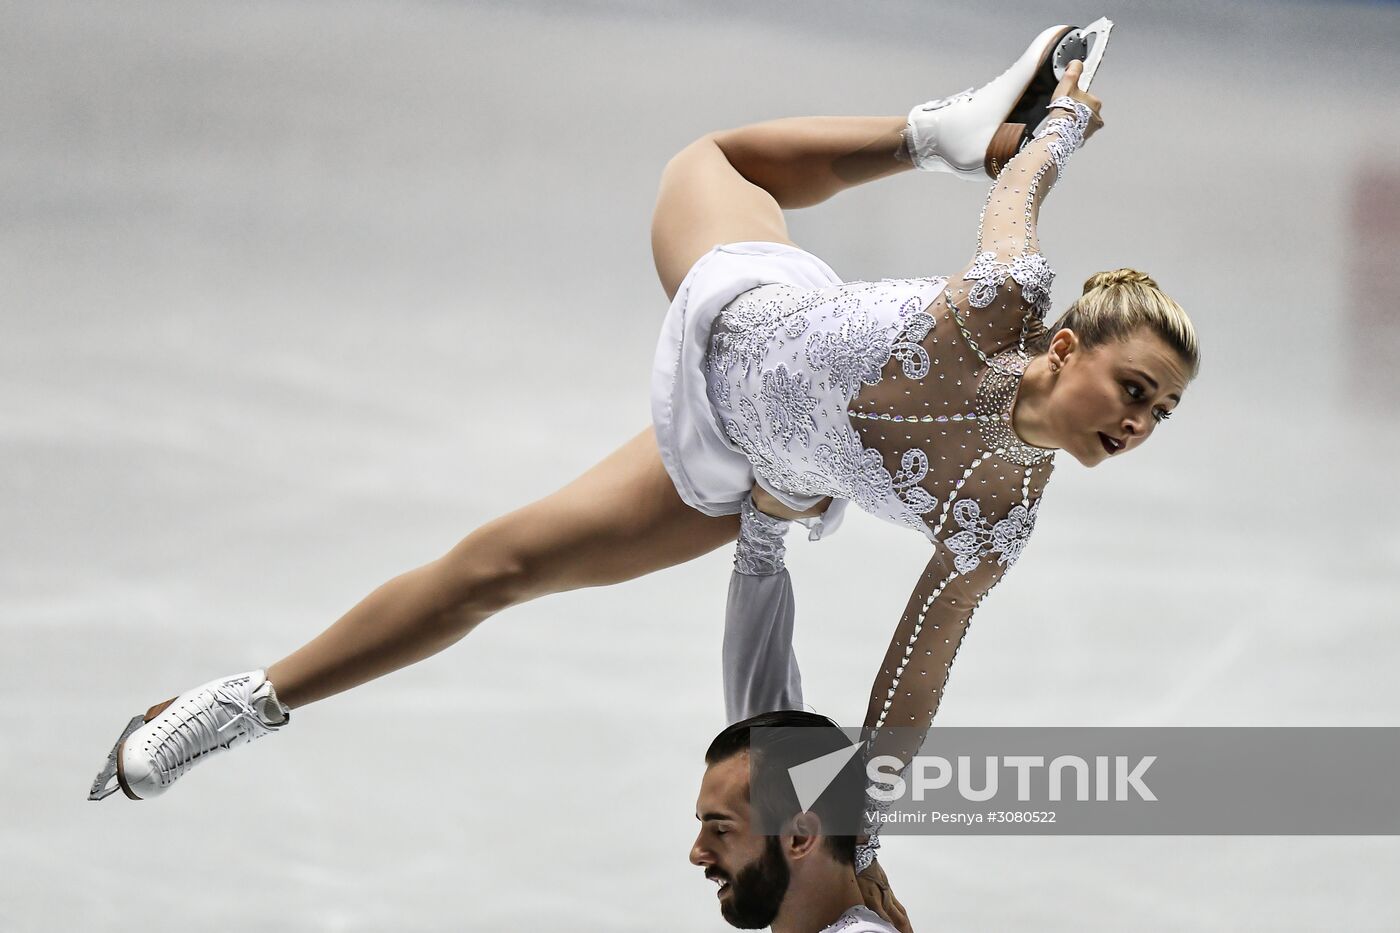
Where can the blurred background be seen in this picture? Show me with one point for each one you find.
(297, 294)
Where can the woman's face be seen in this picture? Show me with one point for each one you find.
(1107, 400)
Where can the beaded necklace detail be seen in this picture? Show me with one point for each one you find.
(996, 397)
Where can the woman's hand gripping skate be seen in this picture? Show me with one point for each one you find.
(1069, 87)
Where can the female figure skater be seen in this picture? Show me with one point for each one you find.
(937, 404)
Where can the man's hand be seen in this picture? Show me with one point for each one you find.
(1069, 87)
(875, 888)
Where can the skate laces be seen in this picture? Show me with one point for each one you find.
(197, 732)
(941, 102)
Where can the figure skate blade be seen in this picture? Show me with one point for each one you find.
(106, 784)
(1087, 44)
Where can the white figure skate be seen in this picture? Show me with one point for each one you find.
(154, 750)
(973, 134)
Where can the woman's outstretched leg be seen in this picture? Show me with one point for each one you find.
(734, 185)
(621, 519)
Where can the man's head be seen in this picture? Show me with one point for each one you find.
(747, 790)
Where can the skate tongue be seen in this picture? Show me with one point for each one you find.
(269, 709)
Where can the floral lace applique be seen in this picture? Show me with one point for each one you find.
(918, 327)
(1068, 132)
(913, 468)
(980, 538)
(1030, 270)
(788, 403)
(858, 472)
(1033, 273)
(852, 355)
(913, 358)
(747, 327)
(775, 468)
(766, 316)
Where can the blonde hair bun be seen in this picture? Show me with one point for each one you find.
(1118, 303)
(1118, 277)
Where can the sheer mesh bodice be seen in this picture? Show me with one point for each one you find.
(898, 395)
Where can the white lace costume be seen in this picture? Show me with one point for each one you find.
(859, 920)
(896, 395)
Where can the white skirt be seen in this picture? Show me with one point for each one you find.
(711, 474)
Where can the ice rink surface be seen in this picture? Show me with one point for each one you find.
(295, 295)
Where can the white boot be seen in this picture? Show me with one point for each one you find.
(973, 134)
(210, 719)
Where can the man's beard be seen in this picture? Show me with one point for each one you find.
(757, 891)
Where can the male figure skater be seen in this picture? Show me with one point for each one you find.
(802, 881)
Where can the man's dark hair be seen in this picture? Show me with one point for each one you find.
(802, 737)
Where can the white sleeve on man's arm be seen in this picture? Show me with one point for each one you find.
(760, 666)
